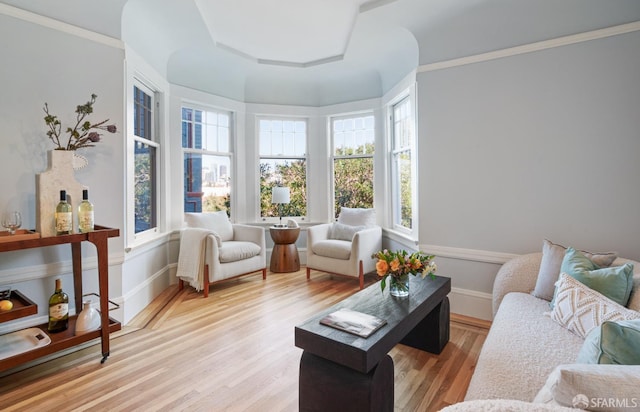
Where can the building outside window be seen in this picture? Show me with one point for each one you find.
(146, 148)
(207, 159)
(353, 141)
(403, 168)
(283, 162)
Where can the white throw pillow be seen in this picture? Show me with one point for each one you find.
(343, 232)
(217, 222)
(357, 217)
(581, 309)
(593, 387)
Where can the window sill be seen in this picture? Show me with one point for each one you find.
(150, 242)
(400, 237)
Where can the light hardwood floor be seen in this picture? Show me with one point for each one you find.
(233, 351)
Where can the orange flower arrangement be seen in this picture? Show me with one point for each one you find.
(402, 263)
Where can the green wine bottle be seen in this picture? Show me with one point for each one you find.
(64, 216)
(58, 309)
(85, 213)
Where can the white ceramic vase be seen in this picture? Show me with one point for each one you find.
(88, 319)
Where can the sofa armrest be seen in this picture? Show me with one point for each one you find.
(517, 275)
(365, 243)
(250, 233)
(317, 233)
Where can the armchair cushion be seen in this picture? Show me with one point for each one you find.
(343, 232)
(333, 248)
(217, 222)
(357, 217)
(234, 250)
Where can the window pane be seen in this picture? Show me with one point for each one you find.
(207, 183)
(145, 184)
(353, 183)
(291, 173)
(355, 136)
(404, 192)
(207, 174)
(142, 111)
(353, 177)
(282, 138)
(205, 130)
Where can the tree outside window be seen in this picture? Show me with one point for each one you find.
(402, 167)
(145, 166)
(283, 162)
(353, 148)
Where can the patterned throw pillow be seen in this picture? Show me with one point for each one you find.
(581, 309)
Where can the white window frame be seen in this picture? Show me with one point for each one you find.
(133, 238)
(333, 157)
(275, 220)
(395, 215)
(230, 154)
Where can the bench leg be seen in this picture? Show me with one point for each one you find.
(432, 333)
(327, 386)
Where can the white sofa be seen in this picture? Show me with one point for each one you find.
(525, 345)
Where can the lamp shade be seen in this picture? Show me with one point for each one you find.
(280, 195)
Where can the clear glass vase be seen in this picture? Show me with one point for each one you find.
(399, 286)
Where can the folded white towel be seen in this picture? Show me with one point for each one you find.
(193, 243)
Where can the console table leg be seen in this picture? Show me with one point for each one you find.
(327, 386)
(432, 333)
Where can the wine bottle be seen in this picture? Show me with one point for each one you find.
(64, 217)
(85, 213)
(58, 309)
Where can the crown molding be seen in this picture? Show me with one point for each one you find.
(532, 47)
(60, 26)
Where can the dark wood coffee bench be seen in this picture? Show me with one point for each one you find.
(340, 371)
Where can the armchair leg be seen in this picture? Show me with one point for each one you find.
(361, 275)
(180, 284)
(264, 273)
(308, 273)
(205, 291)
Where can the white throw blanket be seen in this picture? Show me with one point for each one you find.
(193, 242)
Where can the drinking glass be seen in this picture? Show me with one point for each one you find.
(12, 221)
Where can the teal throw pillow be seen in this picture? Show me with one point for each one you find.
(612, 343)
(613, 282)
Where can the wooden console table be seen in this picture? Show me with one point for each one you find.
(341, 371)
(66, 339)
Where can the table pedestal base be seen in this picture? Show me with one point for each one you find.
(327, 386)
(432, 333)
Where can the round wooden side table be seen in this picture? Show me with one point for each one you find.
(284, 257)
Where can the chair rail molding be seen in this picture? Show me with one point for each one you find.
(473, 255)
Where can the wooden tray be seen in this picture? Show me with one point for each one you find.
(21, 234)
(22, 306)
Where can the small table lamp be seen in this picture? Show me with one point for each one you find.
(280, 195)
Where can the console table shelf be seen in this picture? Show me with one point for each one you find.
(66, 339)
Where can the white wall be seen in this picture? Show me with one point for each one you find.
(527, 147)
(62, 68)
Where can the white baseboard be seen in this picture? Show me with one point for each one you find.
(142, 295)
(471, 303)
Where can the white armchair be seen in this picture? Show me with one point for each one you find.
(346, 246)
(212, 249)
